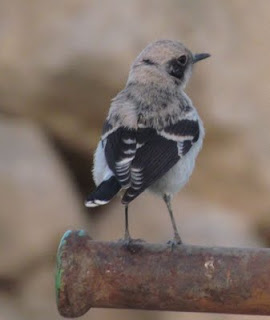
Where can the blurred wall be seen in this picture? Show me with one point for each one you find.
(61, 62)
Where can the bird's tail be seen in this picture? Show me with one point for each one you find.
(104, 193)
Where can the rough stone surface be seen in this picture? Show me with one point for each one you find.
(38, 203)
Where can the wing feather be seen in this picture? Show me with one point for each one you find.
(120, 150)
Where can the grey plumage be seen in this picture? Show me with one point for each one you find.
(153, 133)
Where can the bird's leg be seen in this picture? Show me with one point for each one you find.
(167, 199)
(127, 237)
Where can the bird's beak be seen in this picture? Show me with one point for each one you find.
(200, 56)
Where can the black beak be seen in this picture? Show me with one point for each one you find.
(200, 56)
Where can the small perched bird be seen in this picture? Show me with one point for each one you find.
(152, 134)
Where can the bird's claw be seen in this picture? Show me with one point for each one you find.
(132, 245)
(174, 243)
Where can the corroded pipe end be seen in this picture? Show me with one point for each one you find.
(70, 271)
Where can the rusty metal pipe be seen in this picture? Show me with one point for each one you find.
(160, 277)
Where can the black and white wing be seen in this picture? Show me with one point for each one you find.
(184, 132)
(120, 150)
(159, 152)
(140, 157)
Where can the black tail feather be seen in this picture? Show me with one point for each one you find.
(104, 193)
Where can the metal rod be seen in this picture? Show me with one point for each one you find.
(160, 277)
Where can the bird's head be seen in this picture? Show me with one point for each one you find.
(165, 60)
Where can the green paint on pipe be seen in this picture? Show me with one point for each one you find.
(59, 270)
(63, 240)
(82, 233)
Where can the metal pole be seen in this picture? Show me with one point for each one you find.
(160, 277)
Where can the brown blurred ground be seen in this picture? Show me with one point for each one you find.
(61, 62)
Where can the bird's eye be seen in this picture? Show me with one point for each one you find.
(182, 60)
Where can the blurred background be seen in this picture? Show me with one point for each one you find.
(61, 62)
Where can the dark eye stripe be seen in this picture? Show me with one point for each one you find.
(176, 69)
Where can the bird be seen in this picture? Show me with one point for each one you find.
(152, 134)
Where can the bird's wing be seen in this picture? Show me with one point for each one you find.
(157, 152)
(120, 150)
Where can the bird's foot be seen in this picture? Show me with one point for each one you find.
(126, 241)
(132, 245)
(174, 243)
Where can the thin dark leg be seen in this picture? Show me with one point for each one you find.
(127, 235)
(167, 200)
